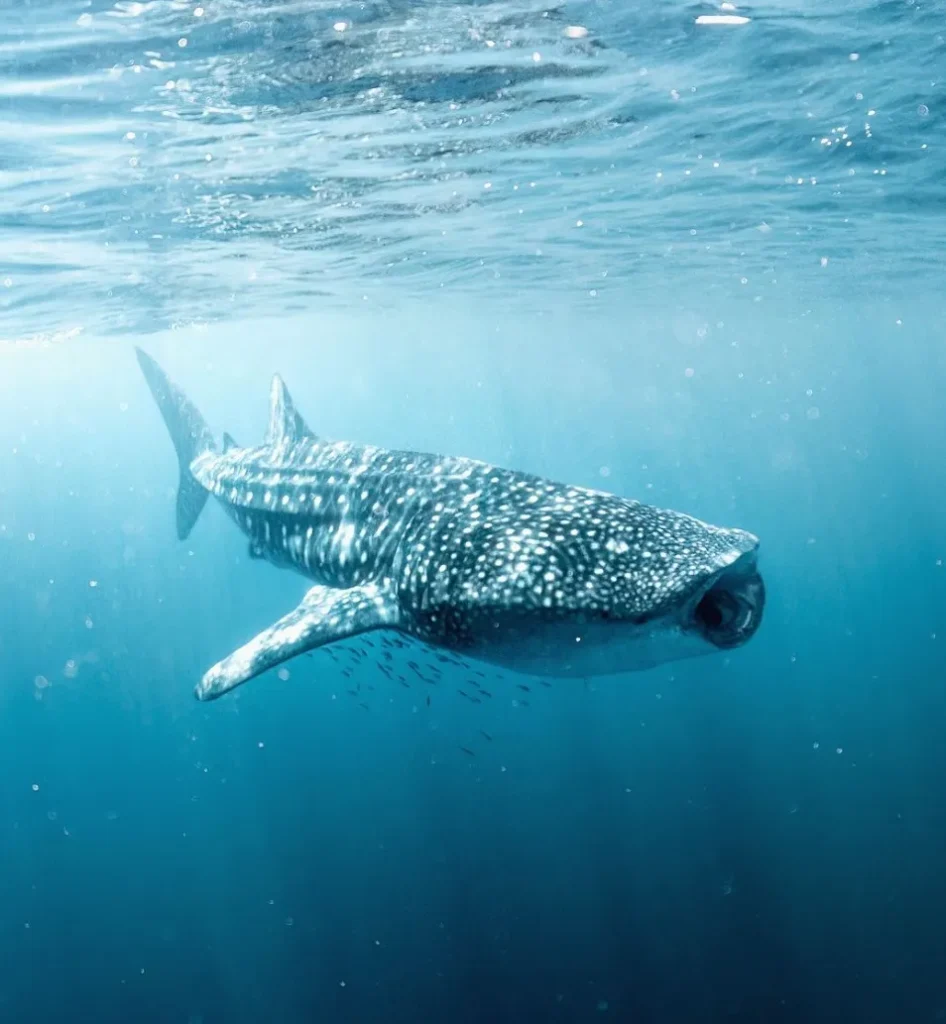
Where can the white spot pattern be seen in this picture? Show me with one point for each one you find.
(461, 539)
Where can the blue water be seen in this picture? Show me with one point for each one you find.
(694, 264)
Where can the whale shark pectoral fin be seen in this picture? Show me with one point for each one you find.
(325, 614)
(285, 423)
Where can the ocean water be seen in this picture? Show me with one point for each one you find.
(697, 264)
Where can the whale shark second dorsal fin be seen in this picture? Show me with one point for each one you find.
(228, 442)
(285, 424)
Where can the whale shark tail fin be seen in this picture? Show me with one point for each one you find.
(190, 434)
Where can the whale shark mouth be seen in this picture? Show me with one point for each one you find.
(730, 611)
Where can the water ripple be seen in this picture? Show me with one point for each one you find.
(174, 160)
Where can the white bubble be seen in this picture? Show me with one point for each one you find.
(283, 674)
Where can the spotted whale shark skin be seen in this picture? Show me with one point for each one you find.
(504, 567)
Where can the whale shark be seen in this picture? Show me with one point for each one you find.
(496, 565)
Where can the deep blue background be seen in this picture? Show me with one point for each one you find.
(750, 837)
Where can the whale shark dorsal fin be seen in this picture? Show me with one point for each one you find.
(285, 423)
(324, 615)
(228, 442)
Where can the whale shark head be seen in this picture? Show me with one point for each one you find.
(597, 584)
(700, 582)
(676, 587)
